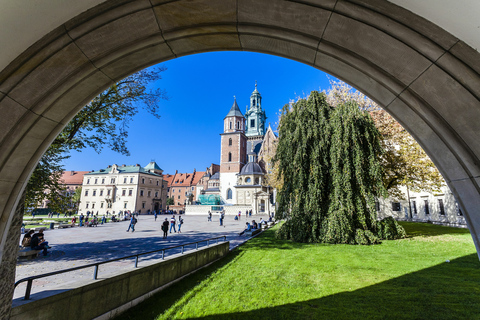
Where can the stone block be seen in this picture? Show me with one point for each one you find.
(407, 18)
(408, 111)
(390, 26)
(378, 85)
(136, 60)
(297, 17)
(204, 43)
(48, 75)
(29, 60)
(278, 47)
(454, 116)
(15, 113)
(389, 54)
(171, 15)
(463, 73)
(284, 34)
(467, 55)
(76, 93)
(108, 39)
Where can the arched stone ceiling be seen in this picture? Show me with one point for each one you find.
(424, 76)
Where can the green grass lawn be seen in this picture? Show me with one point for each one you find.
(271, 279)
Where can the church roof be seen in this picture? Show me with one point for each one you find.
(251, 168)
(234, 110)
(216, 176)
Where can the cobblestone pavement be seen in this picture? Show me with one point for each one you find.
(77, 246)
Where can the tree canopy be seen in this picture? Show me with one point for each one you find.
(328, 159)
(101, 123)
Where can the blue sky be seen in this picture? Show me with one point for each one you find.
(201, 89)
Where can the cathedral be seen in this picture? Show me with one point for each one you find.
(244, 141)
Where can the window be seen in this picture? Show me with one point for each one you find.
(86, 206)
(101, 193)
(143, 180)
(252, 123)
(112, 180)
(88, 181)
(157, 182)
(143, 205)
(125, 205)
(141, 193)
(257, 181)
(427, 210)
(238, 124)
(229, 193)
(230, 125)
(396, 206)
(108, 192)
(459, 211)
(94, 193)
(441, 207)
(131, 180)
(96, 180)
(156, 194)
(178, 197)
(130, 192)
(414, 207)
(124, 180)
(150, 181)
(149, 193)
(93, 205)
(247, 180)
(230, 141)
(86, 193)
(193, 188)
(124, 192)
(101, 204)
(229, 157)
(103, 180)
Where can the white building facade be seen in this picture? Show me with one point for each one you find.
(117, 189)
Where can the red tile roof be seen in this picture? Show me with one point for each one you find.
(73, 177)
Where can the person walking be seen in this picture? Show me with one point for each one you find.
(209, 216)
(81, 220)
(155, 214)
(239, 214)
(165, 228)
(133, 222)
(172, 224)
(180, 222)
(222, 216)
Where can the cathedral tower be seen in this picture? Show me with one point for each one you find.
(255, 116)
(233, 151)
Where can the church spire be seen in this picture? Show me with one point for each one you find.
(255, 116)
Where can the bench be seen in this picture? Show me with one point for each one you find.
(62, 226)
(253, 232)
(28, 253)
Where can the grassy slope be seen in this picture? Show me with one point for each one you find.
(271, 279)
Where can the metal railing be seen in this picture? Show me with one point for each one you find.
(29, 280)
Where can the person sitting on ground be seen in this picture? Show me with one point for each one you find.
(27, 239)
(38, 242)
(248, 227)
(235, 218)
(254, 225)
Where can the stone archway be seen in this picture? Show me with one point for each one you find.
(425, 77)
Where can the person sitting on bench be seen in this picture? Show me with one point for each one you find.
(38, 242)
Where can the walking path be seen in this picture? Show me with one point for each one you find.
(77, 246)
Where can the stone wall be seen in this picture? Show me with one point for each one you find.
(100, 297)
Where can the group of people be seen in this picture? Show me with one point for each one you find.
(173, 224)
(35, 241)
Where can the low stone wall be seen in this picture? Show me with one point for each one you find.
(229, 210)
(102, 296)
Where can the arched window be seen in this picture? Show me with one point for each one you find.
(229, 157)
(230, 125)
(257, 181)
(240, 181)
(230, 141)
(229, 194)
(238, 125)
(247, 180)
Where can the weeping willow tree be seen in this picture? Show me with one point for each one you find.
(328, 159)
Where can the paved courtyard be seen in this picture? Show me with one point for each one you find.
(77, 246)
